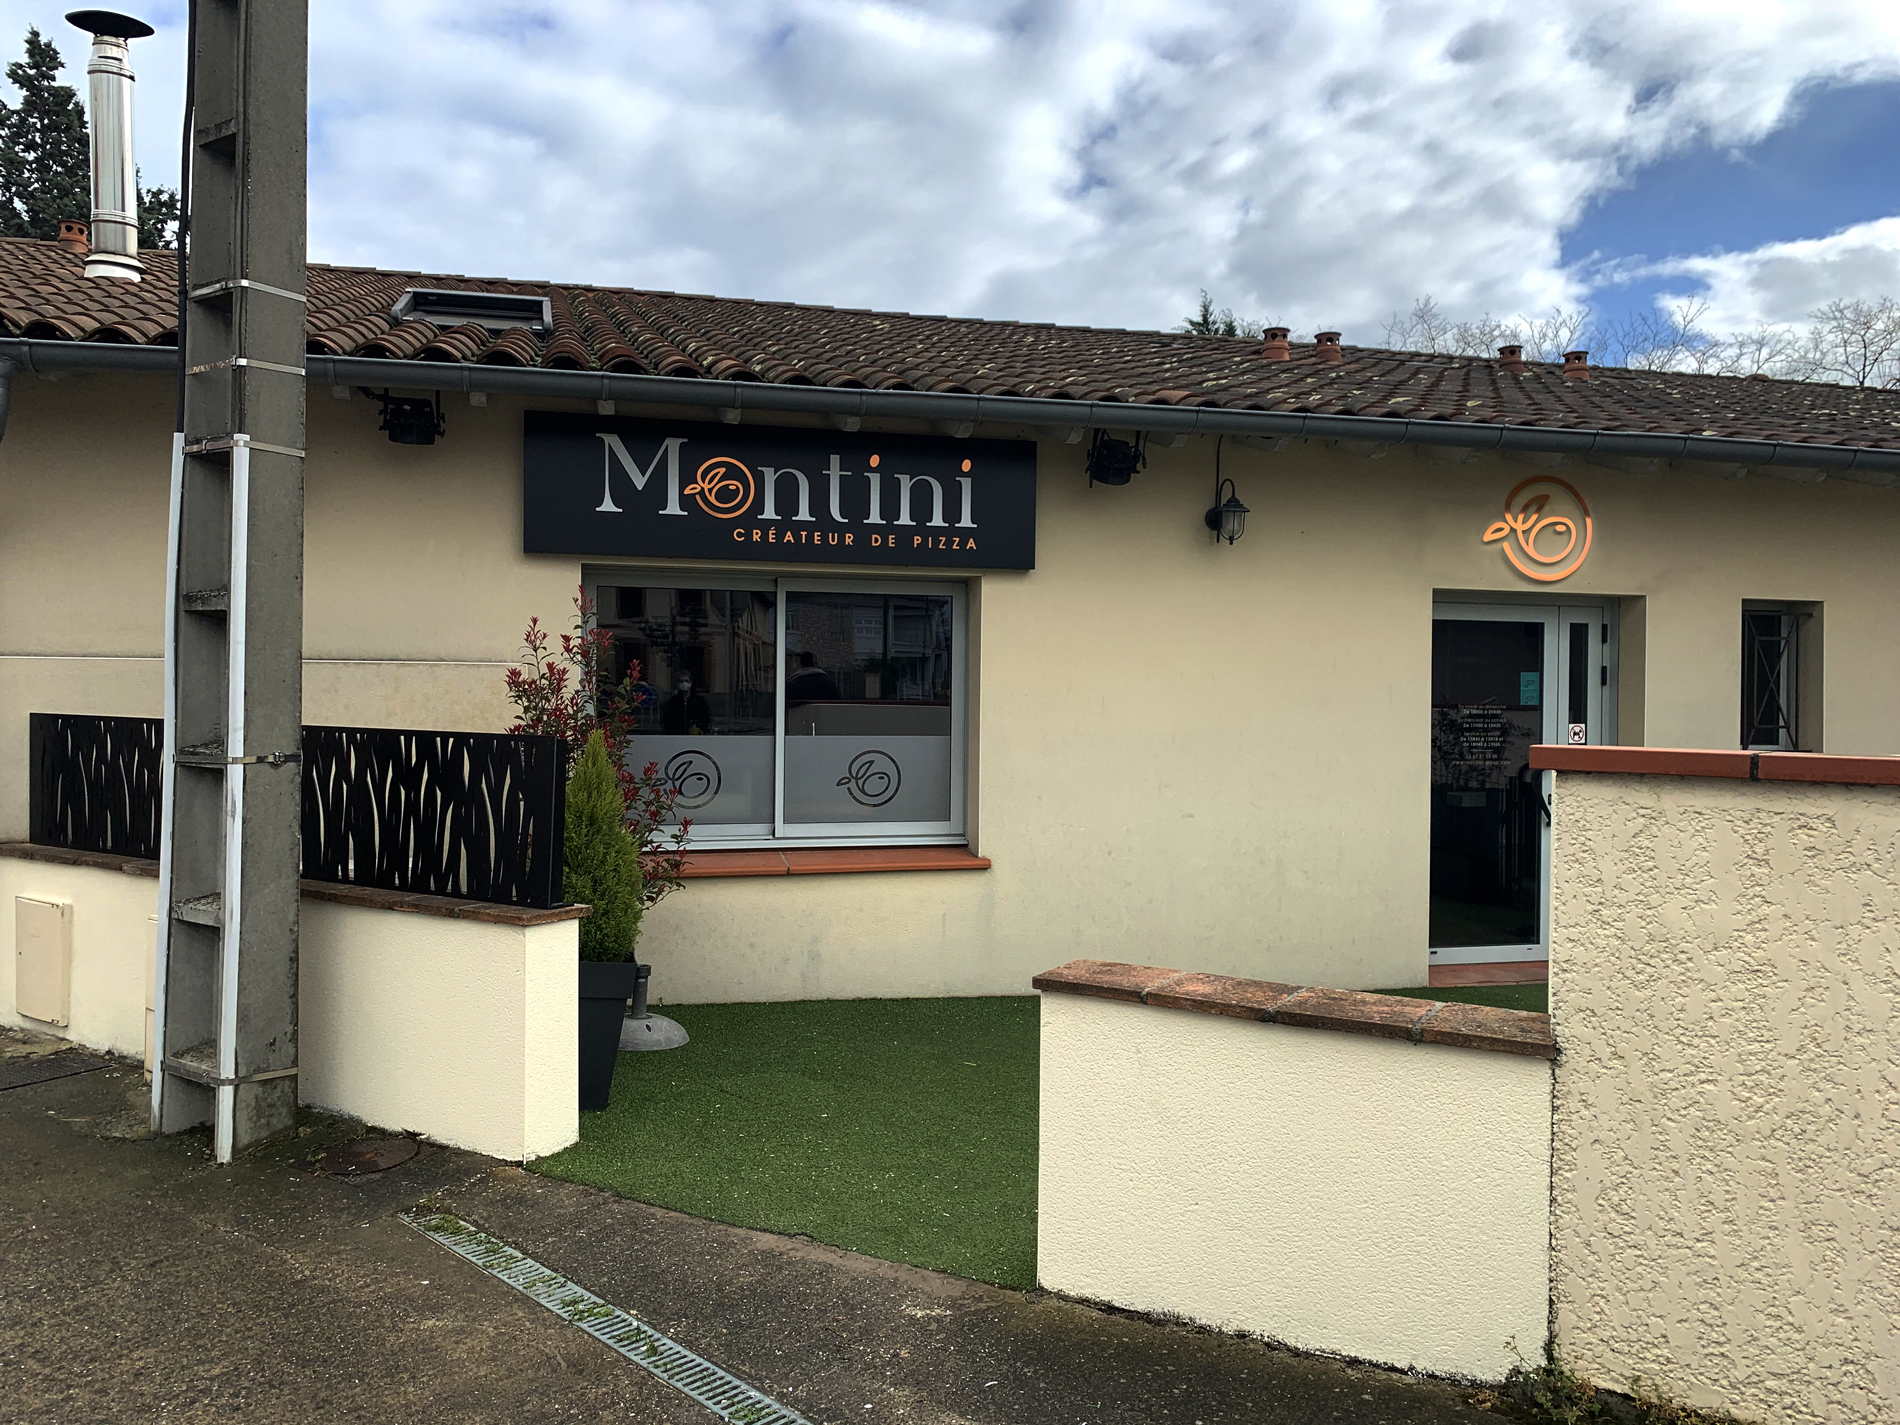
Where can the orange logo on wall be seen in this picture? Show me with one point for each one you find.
(1544, 547)
(723, 487)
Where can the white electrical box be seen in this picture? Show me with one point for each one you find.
(43, 959)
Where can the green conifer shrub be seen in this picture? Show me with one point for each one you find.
(46, 157)
(601, 864)
(45, 163)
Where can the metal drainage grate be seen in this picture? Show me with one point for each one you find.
(725, 1395)
(18, 1073)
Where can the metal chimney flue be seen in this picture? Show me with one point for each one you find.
(115, 202)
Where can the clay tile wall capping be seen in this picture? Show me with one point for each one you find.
(1503, 1031)
(1275, 347)
(1511, 359)
(1734, 765)
(1329, 349)
(1577, 363)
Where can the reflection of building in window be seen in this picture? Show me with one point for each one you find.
(722, 639)
(868, 742)
(874, 647)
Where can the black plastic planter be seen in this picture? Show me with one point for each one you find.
(606, 986)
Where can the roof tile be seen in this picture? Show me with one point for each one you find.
(43, 295)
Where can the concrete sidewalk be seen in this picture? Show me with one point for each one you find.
(144, 1283)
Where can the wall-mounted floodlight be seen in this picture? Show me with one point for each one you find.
(410, 420)
(1114, 462)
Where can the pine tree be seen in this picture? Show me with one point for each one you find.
(1207, 321)
(158, 217)
(45, 166)
(46, 160)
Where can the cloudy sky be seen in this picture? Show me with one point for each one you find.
(1320, 163)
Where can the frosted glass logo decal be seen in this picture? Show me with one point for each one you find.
(872, 779)
(694, 777)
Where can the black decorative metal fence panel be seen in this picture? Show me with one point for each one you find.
(475, 815)
(469, 814)
(95, 782)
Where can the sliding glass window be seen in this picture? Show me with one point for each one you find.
(798, 710)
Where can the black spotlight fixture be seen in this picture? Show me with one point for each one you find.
(1114, 462)
(1226, 517)
(410, 420)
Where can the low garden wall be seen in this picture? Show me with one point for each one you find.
(1725, 980)
(114, 942)
(450, 1018)
(1346, 1172)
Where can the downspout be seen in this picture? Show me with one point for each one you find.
(7, 367)
(1862, 463)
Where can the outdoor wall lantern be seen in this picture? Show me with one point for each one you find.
(410, 420)
(1114, 462)
(1228, 517)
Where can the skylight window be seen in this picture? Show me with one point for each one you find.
(498, 311)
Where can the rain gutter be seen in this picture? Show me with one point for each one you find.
(734, 399)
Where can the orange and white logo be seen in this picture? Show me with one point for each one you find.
(723, 487)
(1541, 546)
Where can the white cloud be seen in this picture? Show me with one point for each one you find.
(1781, 282)
(1091, 162)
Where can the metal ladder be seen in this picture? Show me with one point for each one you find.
(226, 1007)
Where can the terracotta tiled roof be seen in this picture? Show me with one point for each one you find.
(43, 295)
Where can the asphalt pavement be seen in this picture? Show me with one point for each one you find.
(141, 1282)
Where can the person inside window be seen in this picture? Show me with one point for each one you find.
(686, 713)
(810, 684)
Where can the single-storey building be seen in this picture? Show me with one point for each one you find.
(964, 657)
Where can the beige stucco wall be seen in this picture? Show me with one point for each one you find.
(461, 1030)
(112, 946)
(1182, 753)
(1725, 983)
(1337, 1192)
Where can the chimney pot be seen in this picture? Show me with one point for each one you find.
(1275, 347)
(1511, 358)
(1577, 363)
(1329, 351)
(75, 236)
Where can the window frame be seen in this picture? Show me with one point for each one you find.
(892, 832)
(1788, 674)
(781, 835)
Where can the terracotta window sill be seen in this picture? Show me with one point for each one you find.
(831, 861)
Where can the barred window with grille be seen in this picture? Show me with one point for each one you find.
(1769, 679)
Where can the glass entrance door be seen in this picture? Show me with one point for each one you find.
(1504, 677)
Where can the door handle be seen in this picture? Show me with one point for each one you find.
(1543, 802)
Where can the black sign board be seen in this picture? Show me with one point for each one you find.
(603, 485)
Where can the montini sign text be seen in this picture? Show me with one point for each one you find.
(601, 485)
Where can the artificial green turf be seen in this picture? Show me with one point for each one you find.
(904, 1129)
(1535, 997)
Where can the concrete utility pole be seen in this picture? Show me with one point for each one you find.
(227, 962)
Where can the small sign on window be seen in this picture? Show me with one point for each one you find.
(1579, 734)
